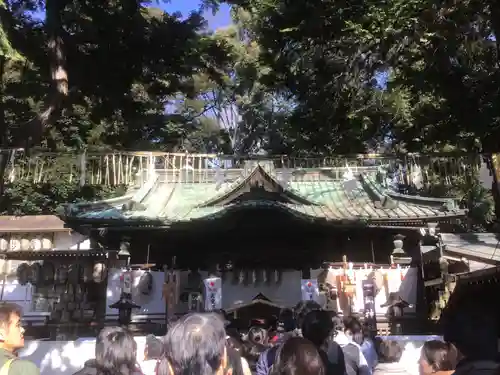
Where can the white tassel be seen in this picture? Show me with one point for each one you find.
(265, 276)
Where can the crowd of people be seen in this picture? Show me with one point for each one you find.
(307, 341)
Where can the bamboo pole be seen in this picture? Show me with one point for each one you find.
(113, 160)
(120, 169)
(107, 179)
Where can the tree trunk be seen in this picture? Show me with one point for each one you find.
(4, 157)
(59, 75)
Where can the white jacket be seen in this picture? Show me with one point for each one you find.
(362, 366)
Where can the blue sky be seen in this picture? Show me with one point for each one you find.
(220, 19)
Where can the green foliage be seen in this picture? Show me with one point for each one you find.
(472, 195)
(124, 61)
(25, 198)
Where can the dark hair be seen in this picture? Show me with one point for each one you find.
(195, 344)
(353, 325)
(153, 348)
(298, 356)
(286, 321)
(389, 351)
(302, 309)
(115, 352)
(317, 327)
(441, 356)
(8, 309)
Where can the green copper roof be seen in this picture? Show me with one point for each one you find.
(310, 194)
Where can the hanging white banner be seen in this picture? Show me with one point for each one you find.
(127, 282)
(310, 291)
(213, 293)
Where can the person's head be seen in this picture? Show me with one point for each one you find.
(463, 326)
(286, 322)
(338, 323)
(11, 330)
(115, 351)
(354, 330)
(389, 351)
(302, 309)
(196, 345)
(317, 327)
(153, 348)
(437, 356)
(257, 335)
(298, 356)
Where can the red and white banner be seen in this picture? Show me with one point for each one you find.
(213, 293)
(310, 290)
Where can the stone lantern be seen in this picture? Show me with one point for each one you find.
(125, 304)
(399, 255)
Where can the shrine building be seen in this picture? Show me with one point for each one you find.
(243, 223)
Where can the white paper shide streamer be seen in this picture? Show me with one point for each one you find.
(310, 291)
(213, 293)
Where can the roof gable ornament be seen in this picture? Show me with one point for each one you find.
(258, 185)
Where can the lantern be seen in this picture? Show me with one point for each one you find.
(23, 273)
(46, 243)
(35, 244)
(15, 244)
(35, 273)
(25, 244)
(350, 289)
(4, 244)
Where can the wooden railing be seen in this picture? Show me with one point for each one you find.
(134, 168)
